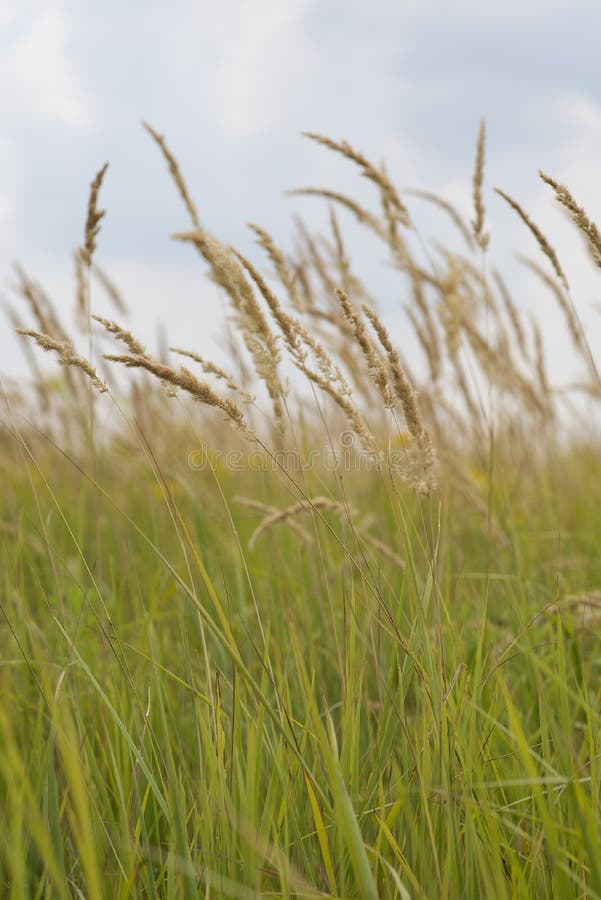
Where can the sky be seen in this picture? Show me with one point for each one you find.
(232, 84)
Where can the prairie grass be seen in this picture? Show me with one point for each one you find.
(347, 648)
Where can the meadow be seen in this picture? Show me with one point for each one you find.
(321, 623)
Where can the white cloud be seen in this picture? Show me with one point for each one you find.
(39, 77)
(253, 41)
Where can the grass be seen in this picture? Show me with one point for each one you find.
(393, 691)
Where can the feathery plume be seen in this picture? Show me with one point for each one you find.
(541, 240)
(278, 260)
(480, 236)
(175, 172)
(375, 363)
(67, 355)
(262, 345)
(585, 225)
(127, 337)
(447, 207)
(421, 475)
(512, 313)
(390, 197)
(362, 215)
(298, 340)
(283, 515)
(187, 382)
(93, 219)
(110, 288)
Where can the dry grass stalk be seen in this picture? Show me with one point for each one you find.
(122, 334)
(187, 382)
(317, 263)
(362, 215)
(571, 318)
(375, 363)
(228, 274)
(391, 201)
(541, 369)
(448, 208)
(499, 367)
(67, 355)
(512, 314)
(480, 236)
(585, 225)
(38, 379)
(268, 510)
(421, 474)
(81, 291)
(429, 337)
(278, 260)
(93, 219)
(541, 240)
(210, 368)
(303, 506)
(110, 288)
(275, 516)
(474, 411)
(425, 344)
(341, 259)
(175, 172)
(298, 340)
(455, 305)
(39, 304)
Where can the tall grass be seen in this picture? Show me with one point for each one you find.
(322, 623)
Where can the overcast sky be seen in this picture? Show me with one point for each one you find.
(233, 83)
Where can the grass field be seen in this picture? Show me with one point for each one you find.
(340, 638)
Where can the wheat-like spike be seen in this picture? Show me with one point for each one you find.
(512, 313)
(297, 338)
(38, 380)
(67, 355)
(175, 172)
(498, 364)
(268, 510)
(474, 411)
(211, 368)
(187, 382)
(563, 301)
(375, 364)
(425, 482)
(585, 225)
(278, 260)
(317, 261)
(93, 219)
(541, 240)
(262, 345)
(447, 207)
(122, 334)
(432, 344)
(389, 194)
(328, 377)
(110, 288)
(81, 291)
(291, 328)
(541, 369)
(39, 304)
(283, 515)
(424, 342)
(339, 252)
(362, 215)
(480, 236)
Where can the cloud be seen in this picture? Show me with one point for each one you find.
(253, 41)
(39, 77)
